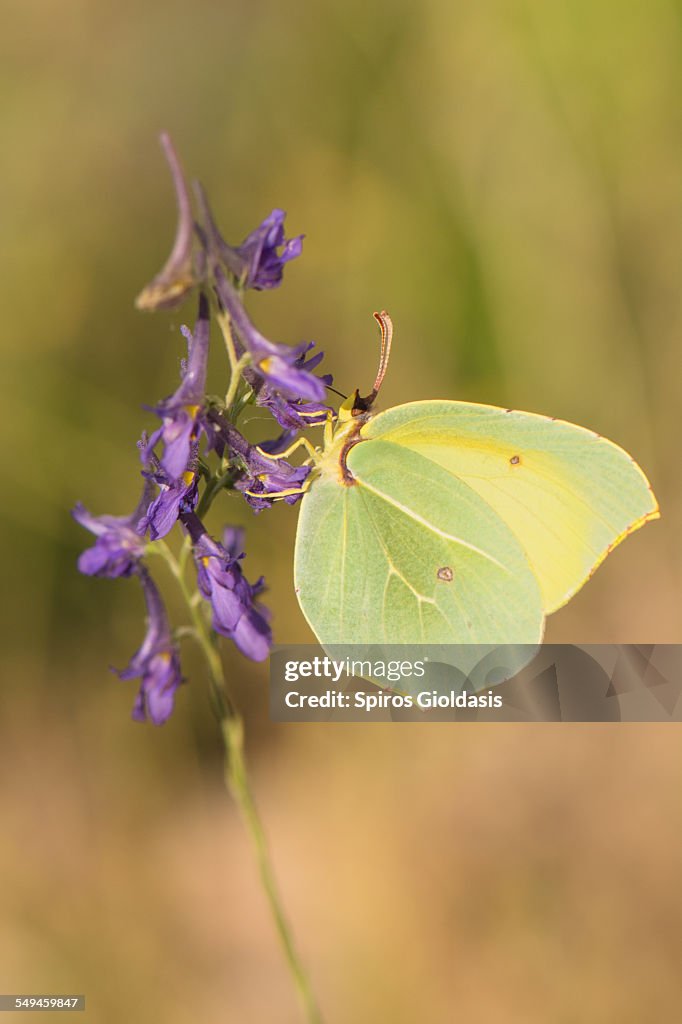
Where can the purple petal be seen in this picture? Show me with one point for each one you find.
(118, 547)
(157, 661)
(253, 636)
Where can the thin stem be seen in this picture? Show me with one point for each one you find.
(203, 633)
(215, 485)
(236, 380)
(237, 780)
(226, 329)
(184, 555)
(237, 363)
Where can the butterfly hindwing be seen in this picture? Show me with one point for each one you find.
(409, 553)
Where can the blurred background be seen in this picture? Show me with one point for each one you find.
(505, 178)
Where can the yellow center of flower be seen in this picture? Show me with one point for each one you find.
(188, 477)
(266, 364)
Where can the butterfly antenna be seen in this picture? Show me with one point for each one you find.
(339, 393)
(386, 324)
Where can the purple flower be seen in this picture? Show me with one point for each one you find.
(255, 263)
(264, 266)
(182, 412)
(280, 366)
(173, 283)
(174, 497)
(236, 614)
(267, 479)
(292, 414)
(157, 661)
(120, 540)
(262, 480)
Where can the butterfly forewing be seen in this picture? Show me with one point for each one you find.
(568, 495)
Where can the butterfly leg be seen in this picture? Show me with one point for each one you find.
(301, 442)
(329, 429)
(281, 494)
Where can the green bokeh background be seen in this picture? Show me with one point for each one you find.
(506, 180)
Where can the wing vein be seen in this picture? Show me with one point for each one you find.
(411, 514)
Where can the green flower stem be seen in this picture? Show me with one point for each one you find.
(236, 380)
(236, 776)
(226, 330)
(236, 364)
(213, 486)
(237, 781)
(202, 633)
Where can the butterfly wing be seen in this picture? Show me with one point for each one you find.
(568, 495)
(410, 554)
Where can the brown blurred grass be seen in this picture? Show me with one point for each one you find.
(500, 874)
(504, 178)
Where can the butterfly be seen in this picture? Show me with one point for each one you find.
(444, 522)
